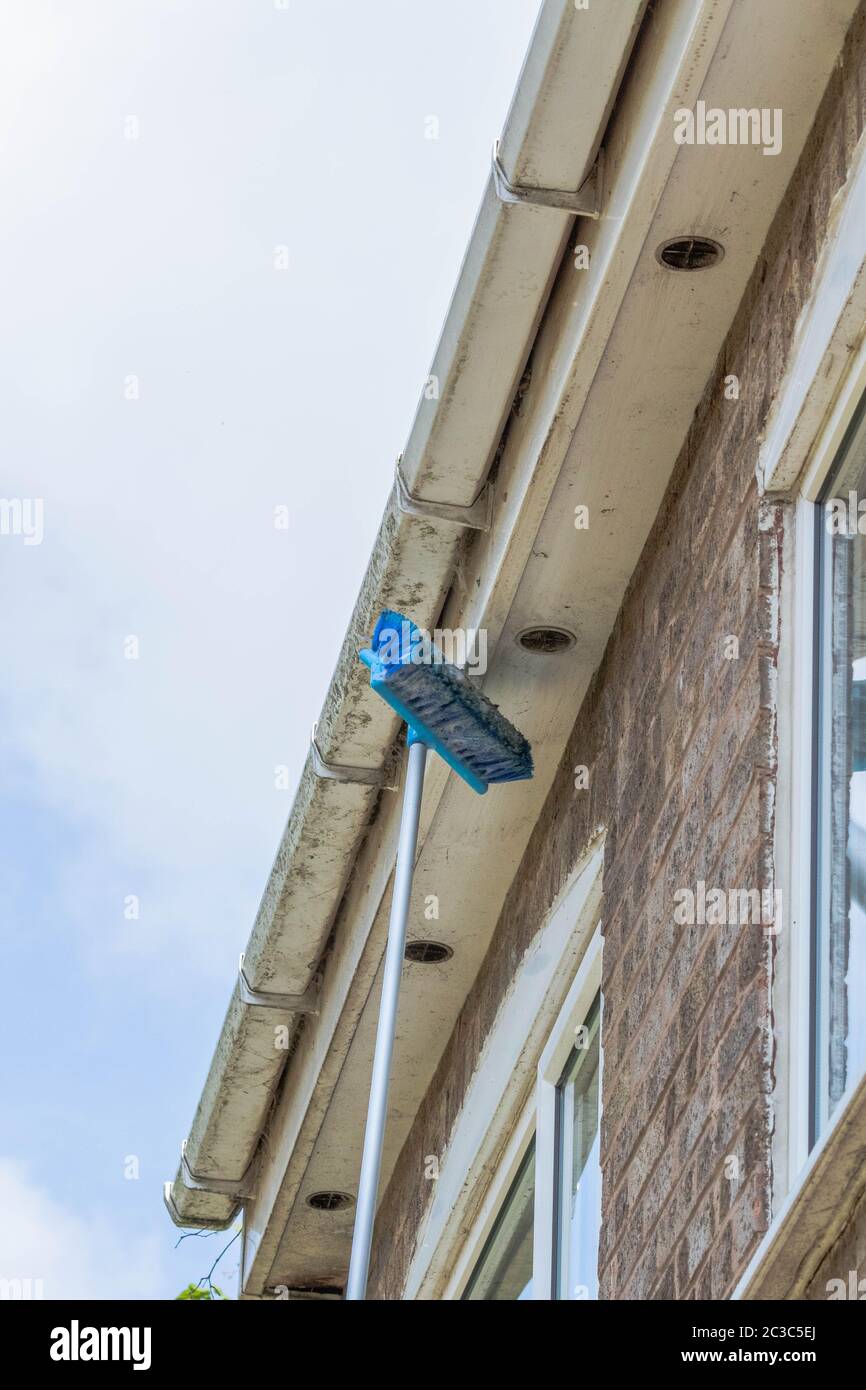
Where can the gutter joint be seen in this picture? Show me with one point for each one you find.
(586, 202)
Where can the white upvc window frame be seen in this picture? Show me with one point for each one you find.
(560, 1045)
(499, 1116)
(797, 776)
(794, 844)
(823, 388)
(537, 1121)
(496, 1196)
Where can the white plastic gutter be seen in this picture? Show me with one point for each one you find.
(550, 141)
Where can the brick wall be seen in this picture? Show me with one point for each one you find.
(679, 735)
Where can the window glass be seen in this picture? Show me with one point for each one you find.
(578, 1173)
(504, 1270)
(839, 937)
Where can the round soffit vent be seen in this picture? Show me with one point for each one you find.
(428, 952)
(690, 253)
(546, 641)
(330, 1201)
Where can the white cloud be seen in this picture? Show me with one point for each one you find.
(154, 257)
(73, 1256)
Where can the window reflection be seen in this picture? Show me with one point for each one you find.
(504, 1271)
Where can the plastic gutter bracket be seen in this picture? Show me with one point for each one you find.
(476, 517)
(336, 772)
(586, 202)
(204, 1222)
(240, 1188)
(307, 1003)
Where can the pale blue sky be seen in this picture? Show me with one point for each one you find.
(259, 126)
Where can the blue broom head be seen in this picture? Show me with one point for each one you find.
(442, 707)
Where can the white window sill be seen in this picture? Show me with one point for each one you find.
(816, 1211)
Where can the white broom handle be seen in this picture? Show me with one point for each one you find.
(368, 1184)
